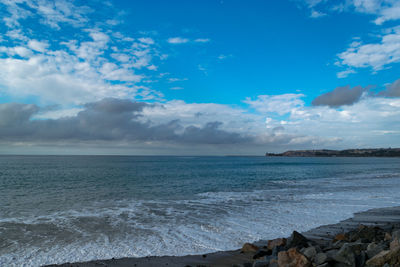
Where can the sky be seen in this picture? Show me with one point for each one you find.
(209, 77)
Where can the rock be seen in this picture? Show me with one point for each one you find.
(396, 234)
(261, 264)
(338, 244)
(273, 263)
(247, 247)
(310, 252)
(379, 259)
(320, 258)
(367, 234)
(350, 254)
(346, 255)
(292, 258)
(261, 253)
(391, 257)
(358, 247)
(318, 248)
(277, 249)
(361, 259)
(387, 237)
(371, 246)
(374, 249)
(297, 240)
(331, 254)
(340, 237)
(276, 242)
(394, 244)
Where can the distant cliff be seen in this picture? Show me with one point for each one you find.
(372, 152)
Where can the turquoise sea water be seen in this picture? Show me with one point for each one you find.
(55, 209)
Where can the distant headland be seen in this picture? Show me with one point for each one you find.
(367, 152)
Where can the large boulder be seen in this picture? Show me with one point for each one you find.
(247, 247)
(379, 259)
(367, 234)
(388, 237)
(292, 258)
(309, 252)
(320, 258)
(346, 256)
(276, 242)
(373, 249)
(396, 234)
(340, 237)
(394, 244)
(361, 259)
(273, 263)
(297, 240)
(391, 257)
(351, 254)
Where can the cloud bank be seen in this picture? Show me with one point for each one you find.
(109, 119)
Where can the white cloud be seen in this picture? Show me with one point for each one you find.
(345, 73)
(384, 10)
(17, 35)
(199, 114)
(317, 14)
(38, 46)
(146, 40)
(51, 13)
(223, 56)
(112, 72)
(121, 57)
(152, 67)
(387, 14)
(177, 79)
(77, 73)
(373, 55)
(16, 51)
(203, 69)
(177, 40)
(202, 40)
(182, 40)
(355, 125)
(280, 104)
(312, 3)
(90, 67)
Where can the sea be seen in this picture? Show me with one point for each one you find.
(56, 209)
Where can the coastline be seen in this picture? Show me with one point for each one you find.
(385, 218)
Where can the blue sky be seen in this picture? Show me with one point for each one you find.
(200, 77)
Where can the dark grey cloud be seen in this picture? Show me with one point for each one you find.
(114, 105)
(344, 95)
(202, 135)
(392, 90)
(106, 120)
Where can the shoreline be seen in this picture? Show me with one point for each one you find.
(386, 219)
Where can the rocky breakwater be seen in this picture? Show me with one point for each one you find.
(364, 246)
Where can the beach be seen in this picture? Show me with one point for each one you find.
(328, 243)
